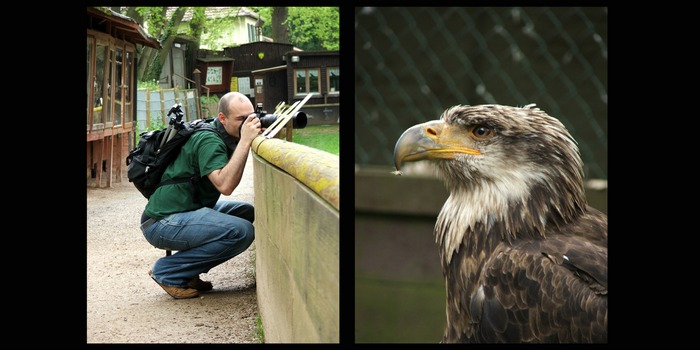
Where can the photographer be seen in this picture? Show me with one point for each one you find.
(204, 230)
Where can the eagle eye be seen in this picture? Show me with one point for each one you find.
(481, 132)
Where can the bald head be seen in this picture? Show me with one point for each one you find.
(232, 102)
(234, 108)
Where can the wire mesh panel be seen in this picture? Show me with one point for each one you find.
(152, 107)
(412, 63)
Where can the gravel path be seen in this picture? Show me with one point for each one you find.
(125, 306)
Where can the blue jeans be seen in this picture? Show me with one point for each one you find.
(203, 238)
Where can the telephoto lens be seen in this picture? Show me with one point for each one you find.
(298, 120)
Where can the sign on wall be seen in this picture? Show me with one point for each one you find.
(244, 86)
(214, 76)
(234, 84)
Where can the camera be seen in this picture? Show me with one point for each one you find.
(298, 118)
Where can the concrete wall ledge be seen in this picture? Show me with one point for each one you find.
(316, 169)
(296, 242)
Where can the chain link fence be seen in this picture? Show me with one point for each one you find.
(412, 63)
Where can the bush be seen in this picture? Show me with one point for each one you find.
(207, 100)
(210, 105)
(150, 85)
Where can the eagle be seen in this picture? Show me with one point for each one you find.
(523, 255)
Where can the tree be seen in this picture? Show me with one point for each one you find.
(170, 33)
(154, 19)
(217, 27)
(315, 28)
(280, 32)
(309, 28)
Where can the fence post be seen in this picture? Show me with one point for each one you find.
(198, 85)
(162, 107)
(148, 109)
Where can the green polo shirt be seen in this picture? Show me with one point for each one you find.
(203, 153)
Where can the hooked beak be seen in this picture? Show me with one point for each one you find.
(431, 140)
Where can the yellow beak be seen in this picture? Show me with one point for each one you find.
(431, 140)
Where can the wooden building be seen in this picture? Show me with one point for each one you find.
(267, 72)
(112, 40)
(270, 73)
(215, 73)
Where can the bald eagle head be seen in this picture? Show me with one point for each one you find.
(515, 166)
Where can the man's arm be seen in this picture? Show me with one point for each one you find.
(227, 178)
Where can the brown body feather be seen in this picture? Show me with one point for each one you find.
(523, 255)
(550, 289)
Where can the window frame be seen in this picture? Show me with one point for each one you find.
(251, 32)
(328, 81)
(298, 94)
(109, 117)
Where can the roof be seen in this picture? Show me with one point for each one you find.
(215, 59)
(268, 41)
(271, 69)
(123, 27)
(317, 53)
(218, 12)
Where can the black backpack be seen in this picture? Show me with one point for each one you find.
(148, 160)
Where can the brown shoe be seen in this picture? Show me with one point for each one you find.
(200, 285)
(177, 292)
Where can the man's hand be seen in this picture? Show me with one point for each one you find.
(250, 129)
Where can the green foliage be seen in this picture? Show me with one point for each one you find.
(154, 69)
(310, 28)
(150, 85)
(315, 28)
(206, 103)
(207, 100)
(156, 22)
(253, 262)
(260, 330)
(156, 124)
(323, 137)
(153, 18)
(198, 15)
(196, 25)
(214, 30)
(265, 14)
(210, 31)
